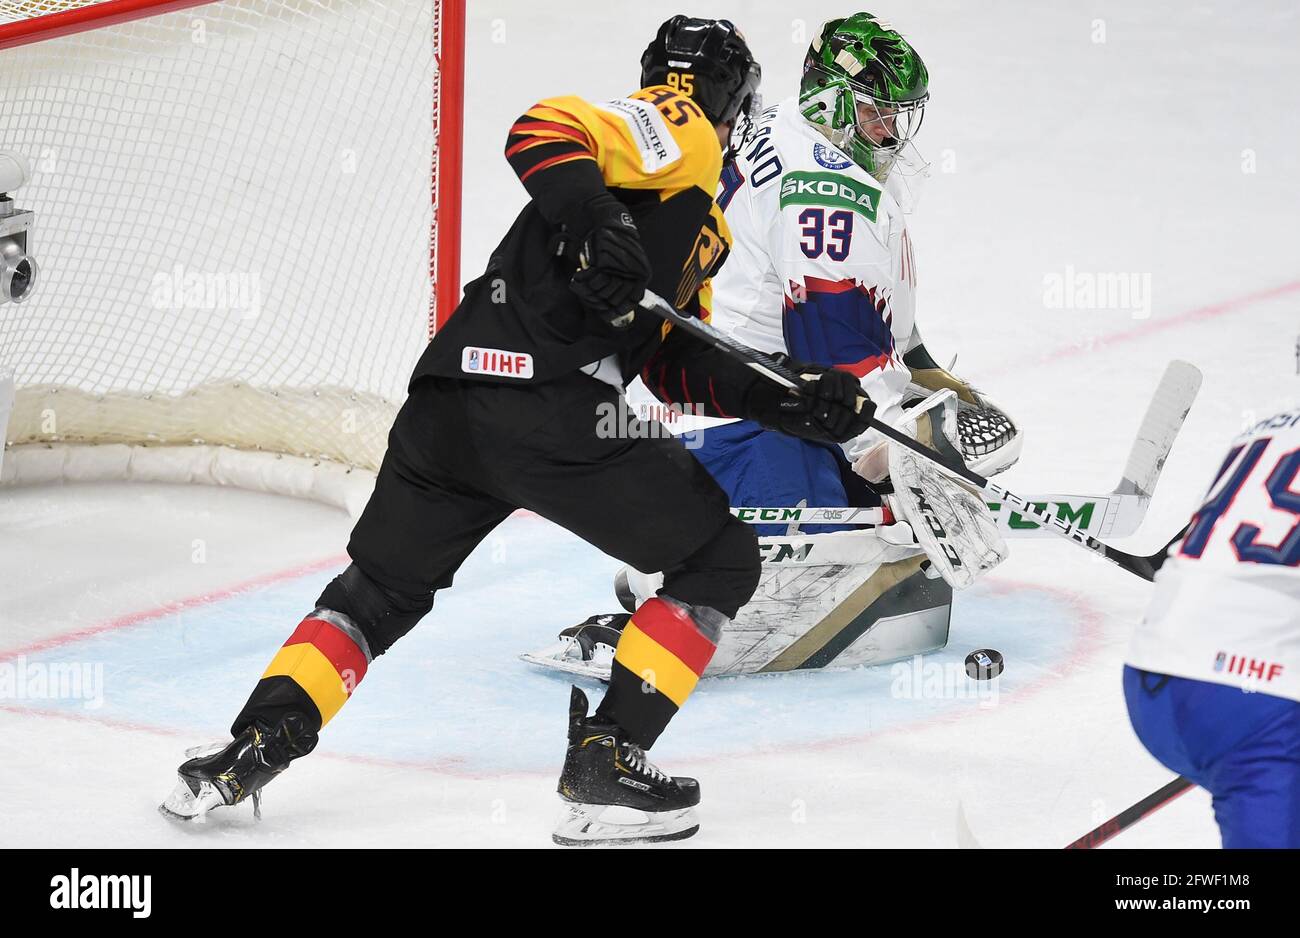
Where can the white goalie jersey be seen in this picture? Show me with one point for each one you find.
(1226, 606)
(821, 266)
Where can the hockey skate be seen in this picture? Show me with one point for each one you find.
(226, 774)
(586, 649)
(607, 778)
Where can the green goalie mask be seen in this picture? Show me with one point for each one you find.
(865, 88)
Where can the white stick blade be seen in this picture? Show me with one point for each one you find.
(1164, 418)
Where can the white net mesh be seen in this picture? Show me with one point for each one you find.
(233, 215)
(11, 11)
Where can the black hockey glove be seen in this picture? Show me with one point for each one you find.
(823, 410)
(613, 270)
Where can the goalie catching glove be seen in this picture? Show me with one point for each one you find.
(989, 440)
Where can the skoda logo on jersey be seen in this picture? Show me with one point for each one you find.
(831, 159)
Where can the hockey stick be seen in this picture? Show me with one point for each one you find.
(1130, 816)
(779, 373)
(1113, 515)
(1123, 510)
(1116, 514)
(811, 515)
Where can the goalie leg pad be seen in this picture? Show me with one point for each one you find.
(835, 601)
(823, 601)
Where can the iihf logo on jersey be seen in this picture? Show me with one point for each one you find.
(1250, 668)
(495, 361)
(831, 159)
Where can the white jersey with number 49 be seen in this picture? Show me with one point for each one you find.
(821, 266)
(1226, 606)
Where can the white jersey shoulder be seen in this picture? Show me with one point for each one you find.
(806, 218)
(1226, 605)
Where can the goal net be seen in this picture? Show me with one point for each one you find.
(235, 230)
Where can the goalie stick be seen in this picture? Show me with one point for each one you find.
(1119, 513)
(1113, 515)
(778, 372)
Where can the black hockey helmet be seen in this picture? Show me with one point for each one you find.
(708, 60)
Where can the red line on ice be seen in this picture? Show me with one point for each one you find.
(1153, 326)
(179, 605)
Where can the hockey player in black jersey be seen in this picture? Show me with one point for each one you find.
(502, 414)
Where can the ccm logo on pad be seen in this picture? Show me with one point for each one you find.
(495, 361)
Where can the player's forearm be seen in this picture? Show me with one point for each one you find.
(700, 380)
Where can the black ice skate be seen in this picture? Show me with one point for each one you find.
(586, 649)
(223, 775)
(605, 775)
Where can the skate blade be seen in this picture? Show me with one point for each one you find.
(185, 804)
(585, 825)
(565, 656)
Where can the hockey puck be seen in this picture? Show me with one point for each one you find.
(984, 664)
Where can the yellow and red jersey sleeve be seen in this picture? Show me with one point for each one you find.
(656, 138)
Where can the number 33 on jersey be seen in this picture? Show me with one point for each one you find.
(822, 264)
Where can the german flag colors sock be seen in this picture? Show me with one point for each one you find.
(313, 673)
(658, 661)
